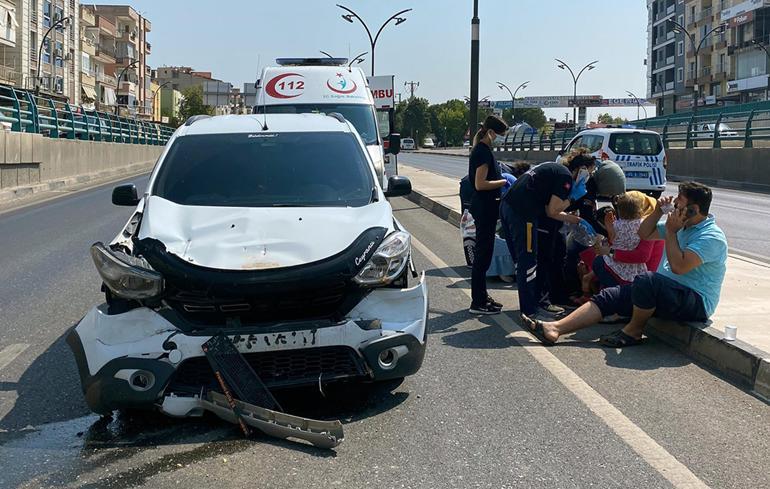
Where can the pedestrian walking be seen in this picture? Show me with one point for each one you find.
(544, 191)
(485, 173)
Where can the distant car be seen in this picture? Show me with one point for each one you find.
(428, 143)
(639, 153)
(706, 131)
(466, 144)
(407, 143)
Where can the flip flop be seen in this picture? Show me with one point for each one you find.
(535, 327)
(619, 339)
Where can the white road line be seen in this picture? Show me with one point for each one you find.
(655, 455)
(9, 353)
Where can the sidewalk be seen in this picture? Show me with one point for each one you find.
(744, 300)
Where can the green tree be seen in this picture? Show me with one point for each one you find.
(452, 122)
(192, 103)
(414, 118)
(534, 117)
(608, 119)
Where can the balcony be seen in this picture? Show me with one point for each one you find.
(9, 76)
(149, 48)
(104, 54)
(87, 46)
(127, 87)
(669, 86)
(105, 26)
(705, 76)
(88, 78)
(705, 15)
(106, 79)
(87, 18)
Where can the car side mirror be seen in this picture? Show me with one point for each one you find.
(125, 195)
(394, 143)
(398, 186)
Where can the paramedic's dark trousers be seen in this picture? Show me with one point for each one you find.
(521, 237)
(486, 222)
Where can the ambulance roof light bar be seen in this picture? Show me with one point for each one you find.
(312, 61)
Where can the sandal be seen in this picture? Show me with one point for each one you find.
(535, 327)
(619, 339)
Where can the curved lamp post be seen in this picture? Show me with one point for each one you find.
(120, 78)
(502, 86)
(638, 104)
(373, 40)
(680, 29)
(154, 94)
(564, 66)
(59, 23)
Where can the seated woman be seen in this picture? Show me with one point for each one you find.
(628, 256)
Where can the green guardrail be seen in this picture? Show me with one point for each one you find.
(743, 124)
(27, 112)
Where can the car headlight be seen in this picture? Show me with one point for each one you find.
(126, 276)
(388, 261)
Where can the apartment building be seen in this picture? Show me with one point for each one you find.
(119, 34)
(41, 37)
(719, 57)
(182, 77)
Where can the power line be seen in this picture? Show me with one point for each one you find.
(411, 86)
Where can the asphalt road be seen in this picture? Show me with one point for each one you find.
(742, 215)
(488, 408)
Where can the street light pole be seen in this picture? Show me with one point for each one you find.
(679, 28)
(761, 46)
(154, 94)
(373, 40)
(590, 66)
(501, 86)
(638, 104)
(61, 22)
(474, 101)
(120, 77)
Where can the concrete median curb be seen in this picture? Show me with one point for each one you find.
(16, 194)
(736, 361)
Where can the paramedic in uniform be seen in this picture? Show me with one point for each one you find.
(484, 172)
(544, 191)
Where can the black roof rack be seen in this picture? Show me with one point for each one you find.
(190, 121)
(312, 61)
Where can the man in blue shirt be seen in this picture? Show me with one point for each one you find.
(686, 286)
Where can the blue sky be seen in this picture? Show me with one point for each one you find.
(519, 39)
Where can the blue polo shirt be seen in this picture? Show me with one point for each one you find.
(707, 241)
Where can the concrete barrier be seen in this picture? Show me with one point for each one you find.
(31, 163)
(739, 168)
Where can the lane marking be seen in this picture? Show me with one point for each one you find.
(655, 455)
(9, 353)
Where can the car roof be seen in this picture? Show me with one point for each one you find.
(251, 123)
(614, 130)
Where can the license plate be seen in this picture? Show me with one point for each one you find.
(637, 174)
(276, 341)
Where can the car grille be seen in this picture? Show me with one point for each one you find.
(279, 368)
(200, 309)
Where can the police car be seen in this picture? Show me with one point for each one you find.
(639, 153)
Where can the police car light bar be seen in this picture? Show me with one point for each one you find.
(312, 61)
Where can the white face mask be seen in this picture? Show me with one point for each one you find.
(582, 175)
(496, 139)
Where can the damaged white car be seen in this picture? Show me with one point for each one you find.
(274, 232)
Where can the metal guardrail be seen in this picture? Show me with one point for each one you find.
(748, 126)
(27, 112)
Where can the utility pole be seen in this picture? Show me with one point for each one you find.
(399, 97)
(474, 102)
(411, 86)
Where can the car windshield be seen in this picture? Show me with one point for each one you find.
(361, 116)
(635, 144)
(725, 127)
(318, 169)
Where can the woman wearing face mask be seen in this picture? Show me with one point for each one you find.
(546, 190)
(484, 172)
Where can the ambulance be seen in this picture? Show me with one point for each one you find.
(326, 86)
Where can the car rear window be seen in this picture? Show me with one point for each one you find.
(318, 169)
(635, 144)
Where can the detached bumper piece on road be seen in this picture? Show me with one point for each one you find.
(247, 402)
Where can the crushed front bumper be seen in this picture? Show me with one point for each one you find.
(137, 358)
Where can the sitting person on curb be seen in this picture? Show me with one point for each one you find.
(686, 286)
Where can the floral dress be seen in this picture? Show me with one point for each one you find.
(626, 239)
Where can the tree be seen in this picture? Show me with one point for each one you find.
(534, 117)
(452, 118)
(608, 119)
(192, 103)
(414, 117)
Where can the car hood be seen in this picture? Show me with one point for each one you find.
(258, 238)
